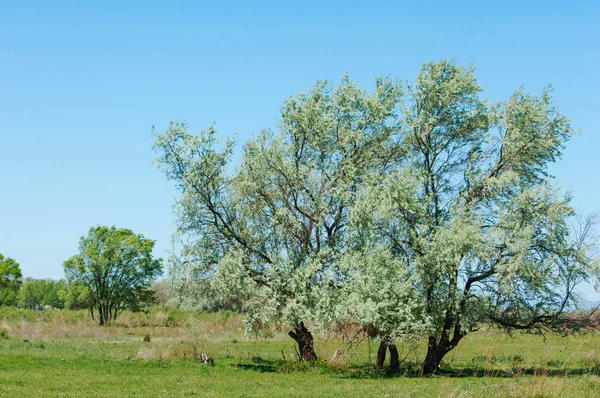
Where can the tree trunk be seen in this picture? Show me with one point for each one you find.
(102, 315)
(431, 365)
(381, 354)
(394, 358)
(304, 338)
(435, 352)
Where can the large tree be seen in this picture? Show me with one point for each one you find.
(270, 230)
(116, 266)
(10, 280)
(472, 213)
(408, 214)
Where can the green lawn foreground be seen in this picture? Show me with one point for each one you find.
(62, 354)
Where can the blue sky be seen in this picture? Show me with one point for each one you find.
(82, 84)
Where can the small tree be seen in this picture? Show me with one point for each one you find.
(10, 280)
(117, 268)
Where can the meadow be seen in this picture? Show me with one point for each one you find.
(65, 353)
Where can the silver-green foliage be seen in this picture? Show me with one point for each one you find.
(471, 212)
(272, 230)
(413, 210)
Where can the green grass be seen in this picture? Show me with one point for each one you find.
(66, 354)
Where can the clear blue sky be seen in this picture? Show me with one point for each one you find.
(82, 84)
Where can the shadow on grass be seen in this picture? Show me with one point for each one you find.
(260, 365)
(409, 370)
(413, 371)
(516, 371)
(257, 368)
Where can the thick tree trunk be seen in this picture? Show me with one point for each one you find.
(304, 338)
(435, 352)
(394, 358)
(381, 354)
(102, 313)
(431, 364)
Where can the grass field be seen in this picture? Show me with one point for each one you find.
(63, 353)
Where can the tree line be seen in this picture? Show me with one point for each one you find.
(34, 293)
(74, 294)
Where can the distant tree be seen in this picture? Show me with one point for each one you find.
(29, 295)
(10, 280)
(163, 294)
(76, 296)
(117, 267)
(36, 293)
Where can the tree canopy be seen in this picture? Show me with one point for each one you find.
(10, 280)
(116, 266)
(272, 230)
(471, 212)
(418, 209)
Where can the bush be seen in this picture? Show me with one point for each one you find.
(3, 333)
(199, 296)
(146, 338)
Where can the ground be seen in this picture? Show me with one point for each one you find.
(63, 353)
